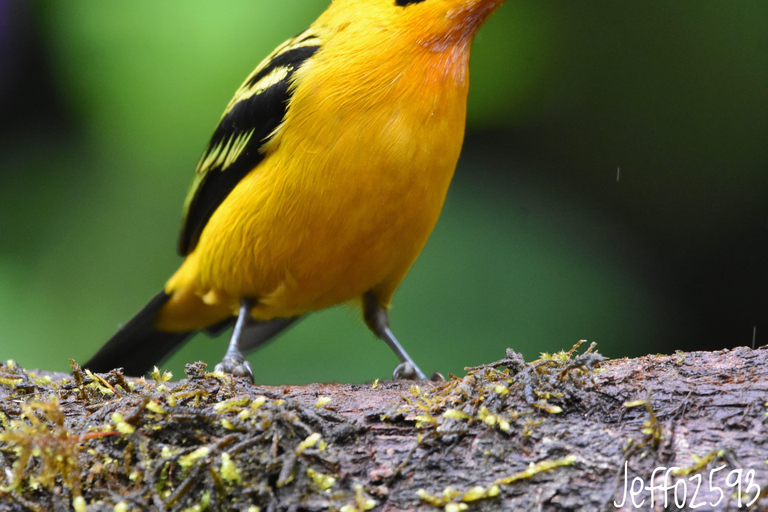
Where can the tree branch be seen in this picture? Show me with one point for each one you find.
(553, 434)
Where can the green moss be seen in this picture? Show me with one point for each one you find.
(186, 445)
(490, 393)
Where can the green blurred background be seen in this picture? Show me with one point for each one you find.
(613, 185)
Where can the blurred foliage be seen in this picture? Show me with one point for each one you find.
(106, 107)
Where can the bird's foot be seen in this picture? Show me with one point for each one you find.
(237, 366)
(407, 371)
(437, 377)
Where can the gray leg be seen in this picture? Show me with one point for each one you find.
(234, 362)
(376, 318)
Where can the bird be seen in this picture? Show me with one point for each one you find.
(321, 183)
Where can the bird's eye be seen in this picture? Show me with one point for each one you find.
(405, 3)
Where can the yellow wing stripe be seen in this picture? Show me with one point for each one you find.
(237, 147)
(250, 118)
(246, 91)
(224, 153)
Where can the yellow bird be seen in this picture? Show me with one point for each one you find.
(321, 183)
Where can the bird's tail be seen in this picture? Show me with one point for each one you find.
(138, 345)
(165, 323)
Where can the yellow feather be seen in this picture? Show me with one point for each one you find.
(353, 180)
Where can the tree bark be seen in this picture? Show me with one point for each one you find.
(567, 432)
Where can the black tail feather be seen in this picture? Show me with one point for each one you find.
(138, 346)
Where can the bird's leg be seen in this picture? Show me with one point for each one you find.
(376, 317)
(234, 362)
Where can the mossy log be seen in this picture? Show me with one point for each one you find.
(565, 432)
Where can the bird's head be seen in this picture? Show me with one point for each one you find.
(437, 24)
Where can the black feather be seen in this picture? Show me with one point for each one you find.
(261, 113)
(138, 346)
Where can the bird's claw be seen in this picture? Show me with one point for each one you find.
(236, 366)
(437, 377)
(405, 371)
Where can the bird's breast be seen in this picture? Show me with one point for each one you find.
(352, 185)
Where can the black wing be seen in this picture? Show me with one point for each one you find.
(250, 119)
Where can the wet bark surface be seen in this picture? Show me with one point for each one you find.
(566, 432)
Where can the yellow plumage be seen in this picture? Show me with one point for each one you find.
(352, 180)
